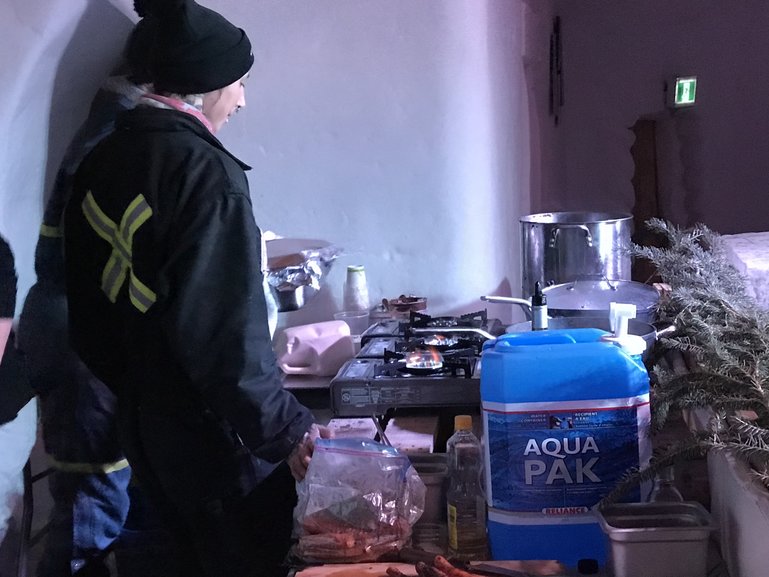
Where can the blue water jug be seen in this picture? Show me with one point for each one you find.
(565, 416)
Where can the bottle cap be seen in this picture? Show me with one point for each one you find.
(463, 423)
(587, 566)
(538, 299)
(355, 268)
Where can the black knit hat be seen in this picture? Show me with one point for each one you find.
(194, 49)
(139, 47)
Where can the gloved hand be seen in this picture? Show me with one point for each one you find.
(299, 459)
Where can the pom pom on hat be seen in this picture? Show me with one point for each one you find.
(194, 50)
(138, 48)
(140, 7)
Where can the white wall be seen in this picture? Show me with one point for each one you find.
(617, 55)
(399, 130)
(53, 56)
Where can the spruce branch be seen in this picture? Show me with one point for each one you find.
(720, 331)
(694, 447)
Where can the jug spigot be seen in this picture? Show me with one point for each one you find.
(619, 315)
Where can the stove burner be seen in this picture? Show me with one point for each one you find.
(477, 319)
(420, 371)
(421, 359)
(443, 322)
(440, 341)
(458, 362)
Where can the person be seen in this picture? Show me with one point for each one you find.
(90, 480)
(18, 408)
(167, 306)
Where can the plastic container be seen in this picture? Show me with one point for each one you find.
(355, 297)
(466, 502)
(358, 321)
(657, 539)
(315, 349)
(430, 532)
(562, 415)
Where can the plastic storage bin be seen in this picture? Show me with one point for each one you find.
(564, 418)
(657, 539)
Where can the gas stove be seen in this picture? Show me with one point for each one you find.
(423, 362)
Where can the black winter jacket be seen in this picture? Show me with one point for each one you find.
(15, 391)
(204, 343)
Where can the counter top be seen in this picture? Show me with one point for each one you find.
(306, 382)
(312, 391)
(749, 254)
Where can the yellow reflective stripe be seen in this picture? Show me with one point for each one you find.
(49, 231)
(134, 216)
(120, 260)
(140, 294)
(100, 222)
(89, 468)
(113, 276)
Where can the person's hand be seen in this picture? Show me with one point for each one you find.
(299, 459)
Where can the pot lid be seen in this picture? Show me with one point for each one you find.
(598, 294)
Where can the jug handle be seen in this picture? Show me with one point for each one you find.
(554, 236)
(294, 370)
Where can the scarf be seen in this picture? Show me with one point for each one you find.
(177, 104)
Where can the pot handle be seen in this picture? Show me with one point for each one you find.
(554, 236)
(663, 329)
(507, 300)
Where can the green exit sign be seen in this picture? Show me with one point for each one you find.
(685, 91)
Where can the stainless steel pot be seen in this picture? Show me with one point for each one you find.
(559, 247)
(592, 297)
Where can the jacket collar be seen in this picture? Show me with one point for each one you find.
(151, 119)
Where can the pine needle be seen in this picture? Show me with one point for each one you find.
(723, 335)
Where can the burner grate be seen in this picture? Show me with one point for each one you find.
(477, 319)
(443, 325)
(456, 363)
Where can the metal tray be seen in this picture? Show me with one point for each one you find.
(665, 539)
(633, 521)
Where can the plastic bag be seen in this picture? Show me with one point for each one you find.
(358, 501)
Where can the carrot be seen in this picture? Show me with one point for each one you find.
(425, 570)
(442, 564)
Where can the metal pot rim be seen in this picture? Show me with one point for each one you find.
(556, 218)
(592, 294)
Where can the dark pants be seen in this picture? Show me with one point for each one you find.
(226, 520)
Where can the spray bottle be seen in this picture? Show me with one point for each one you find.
(538, 308)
